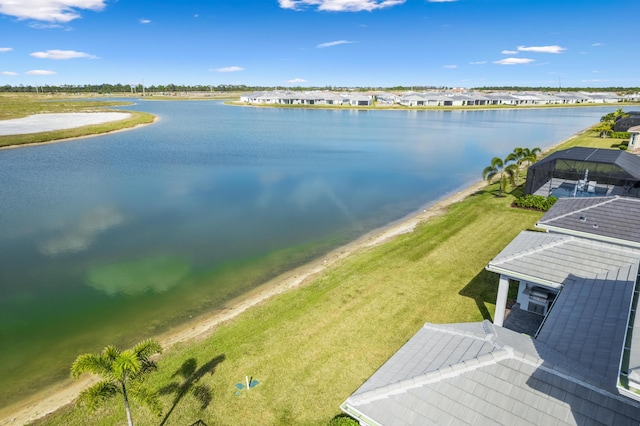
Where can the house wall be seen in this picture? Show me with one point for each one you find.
(634, 141)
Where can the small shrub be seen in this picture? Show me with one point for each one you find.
(343, 420)
(536, 202)
(620, 135)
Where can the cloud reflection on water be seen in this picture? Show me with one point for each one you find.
(78, 235)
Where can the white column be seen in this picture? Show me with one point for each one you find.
(501, 300)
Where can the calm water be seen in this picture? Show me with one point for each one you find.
(115, 238)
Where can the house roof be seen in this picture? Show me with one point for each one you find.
(555, 259)
(626, 161)
(611, 219)
(512, 379)
(588, 323)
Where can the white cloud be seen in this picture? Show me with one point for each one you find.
(478, 63)
(339, 5)
(296, 80)
(49, 10)
(41, 72)
(62, 54)
(42, 26)
(228, 69)
(333, 43)
(144, 21)
(594, 81)
(11, 73)
(509, 52)
(513, 61)
(450, 66)
(542, 49)
(597, 44)
(5, 49)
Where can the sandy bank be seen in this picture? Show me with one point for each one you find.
(61, 121)
(55, 397)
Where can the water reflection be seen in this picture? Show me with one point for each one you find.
(111, 239)
(77, 234)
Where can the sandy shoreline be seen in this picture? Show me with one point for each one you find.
(59, 395)
(124, 129)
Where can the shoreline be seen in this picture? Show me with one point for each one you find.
(64, 393)
(93, 135)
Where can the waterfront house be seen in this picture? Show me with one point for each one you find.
(581, 367)
(581, 171)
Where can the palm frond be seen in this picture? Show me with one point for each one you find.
(90, 363)
(97, 394)
(146, 348)
(127, 365)
(488, 173)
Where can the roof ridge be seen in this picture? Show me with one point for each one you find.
(433, 377)
(561, 239)
(609, 199)
(490, 334)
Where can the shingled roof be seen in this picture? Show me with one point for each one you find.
(612, 219)
(480, 373)
(501, 377)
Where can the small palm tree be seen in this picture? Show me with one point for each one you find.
(122, 372)
(531, 155)
(519, 156)
(500, 167)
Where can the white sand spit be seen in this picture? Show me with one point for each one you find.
(47, 122)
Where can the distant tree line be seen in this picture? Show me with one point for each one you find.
(171, 88)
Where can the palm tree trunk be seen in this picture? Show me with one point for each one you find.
(126, 405)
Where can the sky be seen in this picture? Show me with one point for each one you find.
(342, 43)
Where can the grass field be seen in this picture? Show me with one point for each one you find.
(18, 106)
(310, 348)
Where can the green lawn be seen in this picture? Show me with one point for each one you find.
(312, 347)
(17, 106)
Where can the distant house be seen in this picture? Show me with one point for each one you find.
(356, 99)
(582, 367)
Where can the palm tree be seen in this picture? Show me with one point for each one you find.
(122, 372)
(519, 156)
(531, 155)
(499, 167)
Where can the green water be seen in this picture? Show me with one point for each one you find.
(113, 239)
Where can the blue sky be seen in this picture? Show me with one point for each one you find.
(463, 43)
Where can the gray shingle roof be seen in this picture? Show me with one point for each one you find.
(615, 217)
(588, 323)
(557, 259)
(519, 382)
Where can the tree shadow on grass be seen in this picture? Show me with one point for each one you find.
(191, 375)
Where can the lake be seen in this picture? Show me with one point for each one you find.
(112, 239)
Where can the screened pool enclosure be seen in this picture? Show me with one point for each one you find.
(583, 172)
